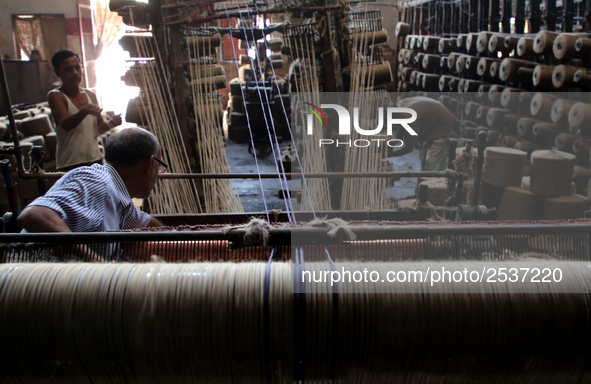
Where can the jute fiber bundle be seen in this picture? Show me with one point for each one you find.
(565, 207)
(517, 204)
(503, 167)
(552, 173)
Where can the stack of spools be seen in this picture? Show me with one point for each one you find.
(552, 179)
(502, 172)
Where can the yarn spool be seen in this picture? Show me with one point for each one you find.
(401, 54)
(431, 43)
(275, 44)
(461, 83)
(236, 86)
(431, 61)
(419, 42)
(543, 75)
(276, 56)
(451, 60)
(471, 41)
(541, 105)
(526, 146)
(51, 144)
(511, 42)
(560, 110)
(517, 204)
(471, 85)
(471, 64)
(430, 81)
(366, 39)
(453, 84)
(402, 29)
(405, 73)
(503, 167)
(552, 173)
(580, 115)
(525, 46)
(437, 190)
(525, 98)
(483, 90)
(509, 69)
(510, 120)
(443, 62)
(38, 141)
(581, 148)
(564, 142)
(510, 97)
(210, 70)
(483, 67)
(470, 110)
(543, 42)
(381, 73)
(545, 133)
(493, 69)
(495, 117)
(461, 40)
(582, 77)
(581, 177)
(38, 125)
(563, 75)
(418, 78)
(494, 93)
(219, 82)
(244, 60)
(564, 46)
(525, 127)
(444, 82)
(412, 42)
(482, 41)
(205, 44)
(461, 63)
(446, 45)
(509, 141)
(583, 45)
(409, 56)
(525, 182)
(565, 207)
(481, 113)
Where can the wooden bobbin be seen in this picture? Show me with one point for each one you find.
(275, 44)
(431, 43)
(494, 93)
(517, 204)
(565, 207)
(483, 67)
(552, 173)
(461, 40)
(509, 69)
(580, 115)
(472, 85)
(564, 75)
(402, 29)
(444, 82)
(493, 69)
(431, 61)
(495, 117)
(446, 45)
(510, 97)
(543, 42)
(525, 127)
(483, 90)
(541, 105)
(509, 141)
(503, 167)
(366, 39)
(543, 75)
(564, 46)
(471, 43)
(560, 110)
(481, 113)
(564, 142)
(525, 46)
(583, 45)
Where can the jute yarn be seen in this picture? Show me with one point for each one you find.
(552, 173)
(437, 189)
(565, 207)
(38, 125)
(503, 167)
(517, 204)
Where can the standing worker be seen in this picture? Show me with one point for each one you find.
(76, 114)
(434, 125)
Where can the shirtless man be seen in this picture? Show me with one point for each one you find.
(76, 114)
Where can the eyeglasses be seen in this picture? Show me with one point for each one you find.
(161, 165)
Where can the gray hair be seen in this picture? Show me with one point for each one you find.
(128, 146)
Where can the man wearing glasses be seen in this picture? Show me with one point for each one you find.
(99, 197)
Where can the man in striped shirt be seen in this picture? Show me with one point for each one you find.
(99, 197)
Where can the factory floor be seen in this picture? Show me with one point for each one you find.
(249, 190)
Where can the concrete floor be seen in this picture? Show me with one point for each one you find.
(249, 190)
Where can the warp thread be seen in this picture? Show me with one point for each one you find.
(257, 233)
(338, 229)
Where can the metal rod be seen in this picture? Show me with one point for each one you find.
(482, 137)
(8, 105)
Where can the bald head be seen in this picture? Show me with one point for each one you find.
(128, 146)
